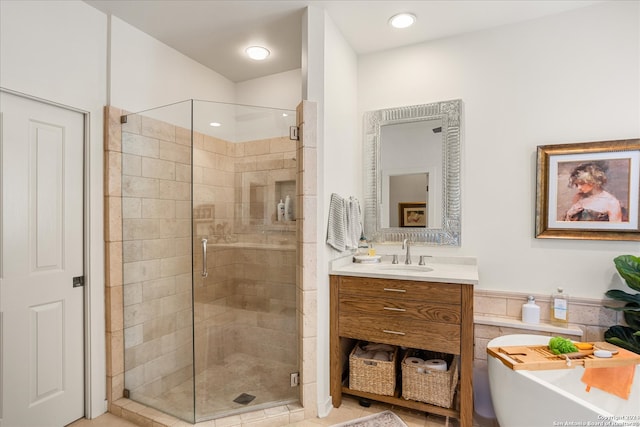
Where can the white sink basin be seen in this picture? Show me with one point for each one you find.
(403, 268)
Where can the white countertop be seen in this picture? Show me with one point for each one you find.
(462, 270)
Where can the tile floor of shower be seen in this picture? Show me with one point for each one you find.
(239, 376)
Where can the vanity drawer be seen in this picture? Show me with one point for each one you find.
(400, 308)
(443, 337)
(405, 289)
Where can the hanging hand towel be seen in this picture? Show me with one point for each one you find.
(337, 226)
(354, 224)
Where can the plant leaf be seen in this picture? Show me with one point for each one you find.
(619, 295)
(632, 315)
(624, 337)
(625, 309)
(628, 267)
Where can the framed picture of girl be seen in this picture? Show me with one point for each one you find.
(588, 190)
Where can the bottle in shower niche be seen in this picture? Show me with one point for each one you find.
(288, 209)
(559, 308)
(531, 311)
(281, 211)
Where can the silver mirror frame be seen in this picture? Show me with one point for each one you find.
(450, 112)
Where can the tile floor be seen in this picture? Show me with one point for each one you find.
(264, 379)
(349, 410)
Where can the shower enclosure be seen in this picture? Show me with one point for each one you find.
(209, 271)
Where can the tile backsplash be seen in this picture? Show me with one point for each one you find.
(588, 318)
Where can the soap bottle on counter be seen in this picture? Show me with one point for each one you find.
(281, 211)
(372, 251)
(531, 311)
(559, 308)
(363, 246)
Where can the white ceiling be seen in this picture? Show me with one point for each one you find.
(215, 32)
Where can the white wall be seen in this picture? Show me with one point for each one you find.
(572, 77)
(56, 50)
(340, 167)
(282, 90)
(146, 73)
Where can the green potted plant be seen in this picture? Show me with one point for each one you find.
(627, 337)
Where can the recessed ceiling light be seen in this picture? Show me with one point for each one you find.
(402, 20)
(257, 52)
(215, 124)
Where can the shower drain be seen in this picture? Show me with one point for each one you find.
(244, 398)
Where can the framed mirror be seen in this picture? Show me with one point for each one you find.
(412, 174)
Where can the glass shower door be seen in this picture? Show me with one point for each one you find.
(245, 329)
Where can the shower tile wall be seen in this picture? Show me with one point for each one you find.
(156, 254)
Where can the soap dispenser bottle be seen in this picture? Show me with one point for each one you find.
(288, 209)
(281, 211)
(559, 308)
(531, 311)
(363, 247)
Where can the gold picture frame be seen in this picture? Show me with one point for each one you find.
(577, 186)
(412, 214)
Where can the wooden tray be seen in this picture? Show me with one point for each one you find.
(539, 357)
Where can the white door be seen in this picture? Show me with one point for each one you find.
(42, 313)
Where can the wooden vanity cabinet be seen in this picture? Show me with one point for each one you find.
(414, 314)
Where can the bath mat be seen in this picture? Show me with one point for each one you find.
(381, 419)
(244, 398)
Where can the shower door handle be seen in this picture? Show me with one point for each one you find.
(205, 272)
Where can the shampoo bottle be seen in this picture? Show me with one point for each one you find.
(531, 311)
(281, 211)
(559, 308)
(288, 209)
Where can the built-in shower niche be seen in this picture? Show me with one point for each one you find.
(282, 190)
(204, 214)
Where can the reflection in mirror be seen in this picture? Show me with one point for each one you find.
(405, 187)
(410, 157)
(412, 166)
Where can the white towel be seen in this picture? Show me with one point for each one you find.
(354, 224)
(337, 226)
(345, 224)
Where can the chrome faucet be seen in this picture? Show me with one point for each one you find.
(405, 244)
(422, 257)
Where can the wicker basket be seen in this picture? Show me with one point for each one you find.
(372, 376)
(429, 385)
